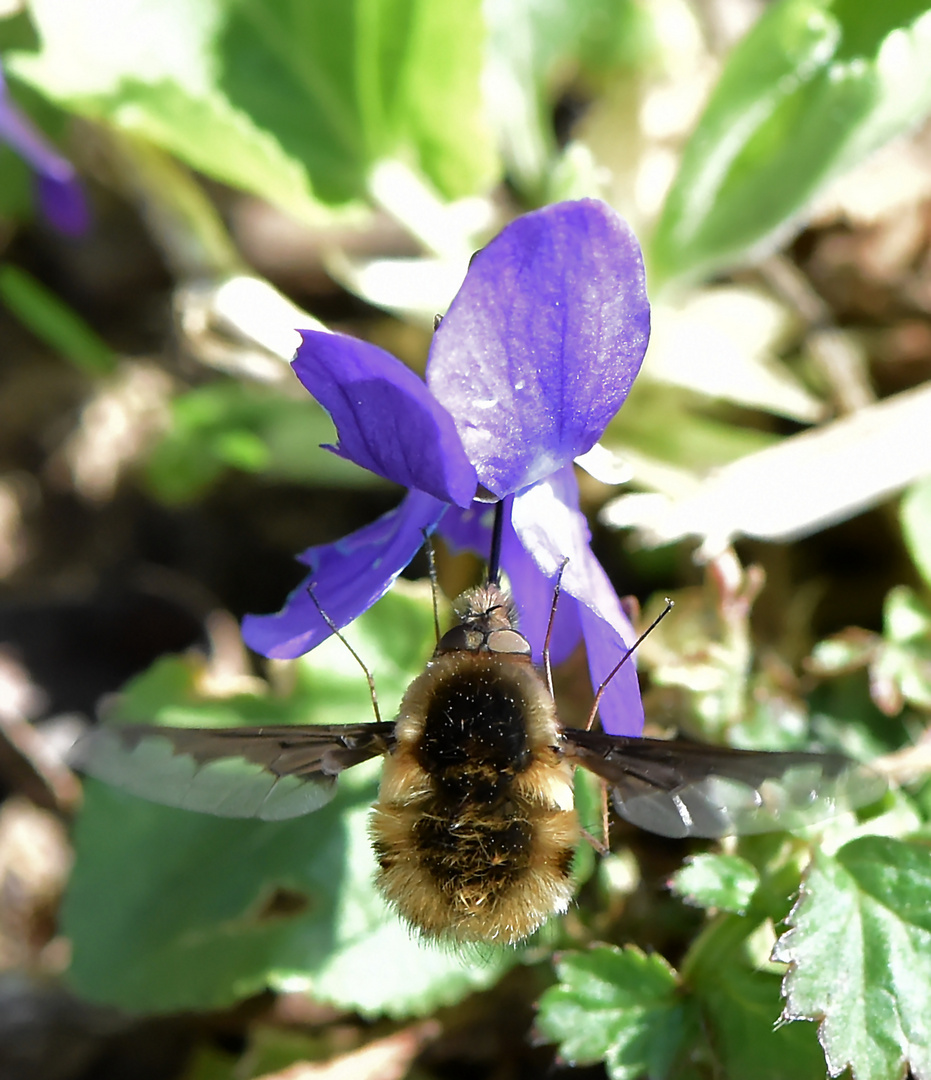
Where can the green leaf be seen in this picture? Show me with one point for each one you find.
(740, 1008)
(588, 804)
(294, 100)
(678, 426)
(619, 1006)
(812, 89)
(273, 1048)
(16, 199)
(533, 51)
(255, 429)
(54, 322)
(906, 619)
(16, 31)
(902, 669)
(740, 1003)
(860, 950)
(915, 515)
(211, 1063)
(844, 717)
(717, 881)
(525, 41)
(846, 651)
(169, 910)
(899, 661)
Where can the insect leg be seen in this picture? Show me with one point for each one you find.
(547, 666)
(599, 693)
(598, 845)
(369, 678)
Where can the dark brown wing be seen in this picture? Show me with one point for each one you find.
(679, 788)
(270, 772)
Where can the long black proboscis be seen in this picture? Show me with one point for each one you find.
(494, 556)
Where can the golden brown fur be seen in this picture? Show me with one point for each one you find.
(474, 828)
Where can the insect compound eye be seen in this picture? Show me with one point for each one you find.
(509, 642)
(460, 639)
(501, 642)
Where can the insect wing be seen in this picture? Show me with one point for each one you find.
(678, 788)
(271, 772)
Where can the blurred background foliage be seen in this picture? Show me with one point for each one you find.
(254, 166)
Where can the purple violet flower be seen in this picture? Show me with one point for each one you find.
(58, 190)
(536, 354)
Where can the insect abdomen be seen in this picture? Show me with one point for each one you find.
(474, 830)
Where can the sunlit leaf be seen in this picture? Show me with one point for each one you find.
(860, 950)
(717, 881)
(915, 514)
(803, 484)
(899, 660)
(846, 651)
(901, 670)
(294, 100)
(725, 341)
(810, 91)
(619, 1006)
(531, 50)
(669, 425)
(231, 425)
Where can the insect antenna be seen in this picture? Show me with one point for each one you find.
(369, 678)
(599, 693)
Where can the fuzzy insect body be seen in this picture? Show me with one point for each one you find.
(474, 829)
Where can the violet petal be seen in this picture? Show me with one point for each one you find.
(386, 418)
(469, 530)
(551, 527)
(348, 575)
(541, 344)
(63, 204)
(533, 595)
(59, 191)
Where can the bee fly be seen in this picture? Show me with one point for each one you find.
(474, 829)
